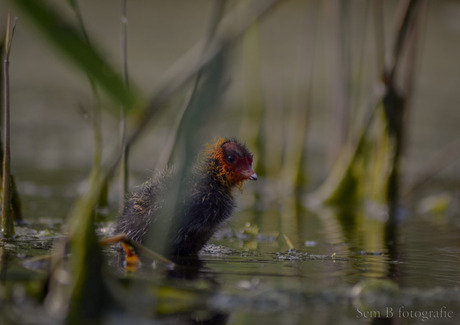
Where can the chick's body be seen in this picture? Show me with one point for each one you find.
(208, 199)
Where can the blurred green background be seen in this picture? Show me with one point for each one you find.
(299, 49)
(297, 89)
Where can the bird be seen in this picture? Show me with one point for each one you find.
(207, 202)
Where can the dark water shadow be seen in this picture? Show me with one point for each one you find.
(182, 292)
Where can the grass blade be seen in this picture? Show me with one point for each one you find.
(69, 41)
(7, 227)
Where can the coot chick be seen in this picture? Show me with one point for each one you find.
(207, 203)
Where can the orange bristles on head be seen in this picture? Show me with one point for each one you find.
(231, 162)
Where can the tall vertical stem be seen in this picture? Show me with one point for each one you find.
(124, 182)
(7, 215)
(7, 227)
(96, 120)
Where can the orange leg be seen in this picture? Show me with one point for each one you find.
(131, 258)
(130, 247)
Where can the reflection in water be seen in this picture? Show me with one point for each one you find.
(188, 268)
(304, 283)
(3, 264)
(181, 292)
(392, 243)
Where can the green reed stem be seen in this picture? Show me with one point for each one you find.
(124, 177)
(167, 153)
(7, 228)
(96, 111)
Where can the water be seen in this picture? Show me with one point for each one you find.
(247, 275)
(340, 272)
